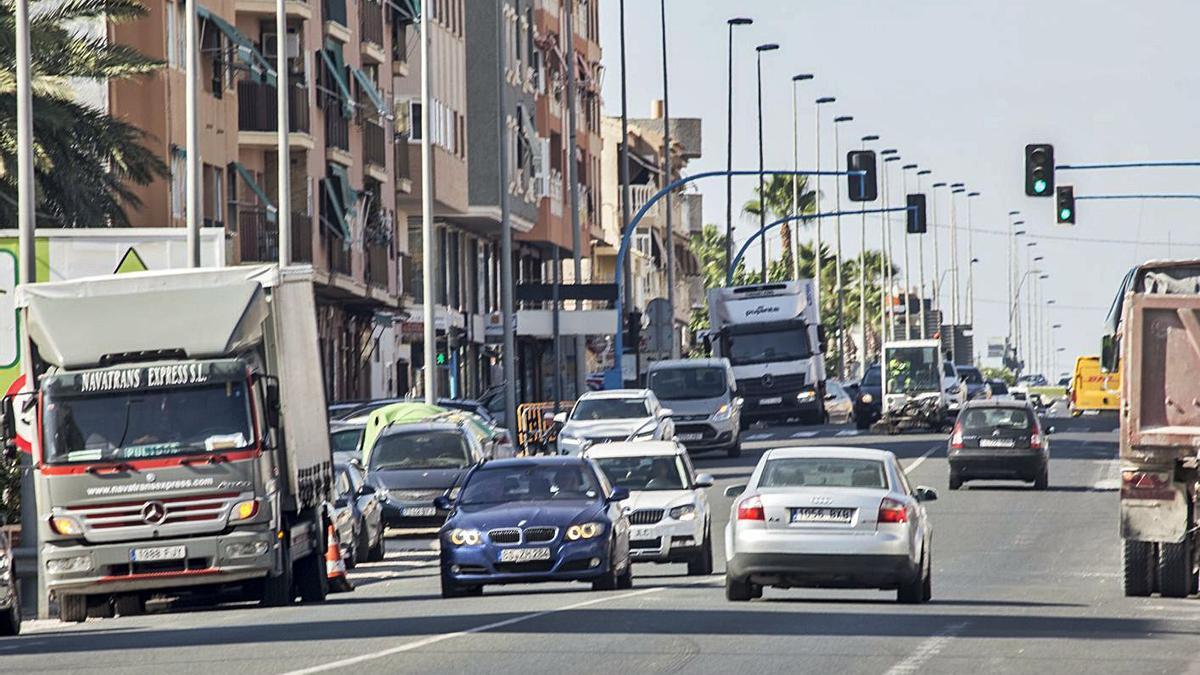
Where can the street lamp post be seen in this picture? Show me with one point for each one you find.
(970, 269)
(921, 263)
(886, 322)
(907, 276)
(862, 278)
(427, 238)
(1014, 307)
(955, 188)
(837, 256)
(762, 202)
(818, 261)
(936, 290)
(1029, 349)
(1012, 225)
(796, 209)
(737, 21)
(668, 176)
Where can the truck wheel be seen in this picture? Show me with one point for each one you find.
(737, 590)
(1175, 569)
(72, 607)
(311, 578)
(129, 604)
(277, 590)
(10, 623)
(100, 606)
(1138, 570)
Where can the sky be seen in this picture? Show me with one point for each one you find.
(958, 87)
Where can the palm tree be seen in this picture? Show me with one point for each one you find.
(777, 194)
(84, 159)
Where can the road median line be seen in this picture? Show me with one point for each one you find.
(920, 460)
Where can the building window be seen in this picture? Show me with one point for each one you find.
(415, 132)
(175, 34)
(178, 183)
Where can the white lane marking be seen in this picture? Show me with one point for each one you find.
(804, 434)
(918, 461)
(847, 432)
(434, 639)
(757, 437)
(926, 651)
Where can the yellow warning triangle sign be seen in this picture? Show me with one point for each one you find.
(131, 262)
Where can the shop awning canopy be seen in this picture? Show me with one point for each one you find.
(247, 53)
(335, 63)
(372, 92)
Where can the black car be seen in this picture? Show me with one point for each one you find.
(415, 464)
(357, 515)
(977, 386)
(999, 440)
(868, 401)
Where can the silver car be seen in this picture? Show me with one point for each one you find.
(828, 517)
(613, 416)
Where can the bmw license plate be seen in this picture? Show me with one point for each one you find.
(774, 400)
(688, 437)
(418, 511)
(158, 553)
(996, 443)
(822, 515)
(518, 555)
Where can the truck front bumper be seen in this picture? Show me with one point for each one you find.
(109, 568)
(783, 405)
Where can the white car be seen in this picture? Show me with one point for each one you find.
(828, 517)
(955, 388)
(613, 416)
(669, 518)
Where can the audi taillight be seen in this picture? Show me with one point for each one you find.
(751, 508)
(892, 511)
(956, 437)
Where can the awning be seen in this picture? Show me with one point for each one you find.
(407, 10)
(253, 185)
(247, 52)
(341, 196)
(335, 63)
(365, 84)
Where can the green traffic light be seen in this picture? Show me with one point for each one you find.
(1064, 214)
(1039, 186)
(441, 359)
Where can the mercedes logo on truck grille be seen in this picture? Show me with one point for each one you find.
(154, 513)
(768, 381)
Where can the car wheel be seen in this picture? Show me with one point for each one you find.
(756, 591)
(625, 579)
(377, 552)
(72, 607)
(1137, 570)
(1043, 479)
(956, 480)
(10, 623)
(735, 450)
(609, 580)
(912, 591)
(738, 590)
(702, 563)
(1175, 569)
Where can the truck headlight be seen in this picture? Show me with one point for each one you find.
(683, 512)
(66, 525)
(460, 537)
(79, 563)
(244, 510)
(723, 413)
(806, 396)
(584, 531)
(247, 550)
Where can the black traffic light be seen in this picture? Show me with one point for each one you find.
(1039, 169)
(1065, 204)
(862, 186)
(916, 214)
(633, 331)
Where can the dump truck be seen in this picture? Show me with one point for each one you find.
(179, 437)
(1152, 338)
(772, 335)
(914, 389)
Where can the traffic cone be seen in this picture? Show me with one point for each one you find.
(335, 567)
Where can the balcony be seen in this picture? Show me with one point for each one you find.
(404, 181)
(259, 238)
(370, 14)
(337, 22)
(399, 48)
(299, 9)
(337, 127)
(337, 255)
(258, 117)
(375, 147)
(377, 265)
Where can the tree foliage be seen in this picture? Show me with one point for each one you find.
(777, 197)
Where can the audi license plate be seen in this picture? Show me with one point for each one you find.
(822, 515)
(418, 511)
(158, 553)
(519, 555)
(688, 437)
(774, 400)
(996, 442)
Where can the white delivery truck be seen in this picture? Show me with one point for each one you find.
(772, 335)
(181, 439)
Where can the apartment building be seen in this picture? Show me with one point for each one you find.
(344, 57)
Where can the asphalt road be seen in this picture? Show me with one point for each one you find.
(1024, 582)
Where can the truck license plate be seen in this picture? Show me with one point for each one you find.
(418, 511)
(774, 400)
(518, 555)
(158, 553)
(689, 437)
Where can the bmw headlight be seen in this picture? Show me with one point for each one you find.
(683, 512)
(722, 413)
(460, 537)
(584, 531)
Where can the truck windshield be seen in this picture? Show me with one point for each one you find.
(133, 425)
(678, 384)
(912, 369)
(768, 346)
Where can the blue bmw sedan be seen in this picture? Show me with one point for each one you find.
(535, 519)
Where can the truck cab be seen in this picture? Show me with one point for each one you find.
(916, 391)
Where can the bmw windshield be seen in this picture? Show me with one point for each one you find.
(491, 485)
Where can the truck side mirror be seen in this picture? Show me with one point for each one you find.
(1109, 359)
(822, 338)
(271, 388)
(8, 427)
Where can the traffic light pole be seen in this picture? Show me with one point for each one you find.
(612, 379)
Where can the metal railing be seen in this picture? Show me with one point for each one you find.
(399, 41)
(403, 167)
(375, 144)
(370, 15)
(257, 112)
(259, 238)
(337, 255)
(337, 127)
(377, 265)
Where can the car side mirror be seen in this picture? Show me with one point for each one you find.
(924, 494)
(704, 480)
(1050, 431)
(559, 418)
(271, 407)
(618, 494)
(735, 490)
(442, 503)
(665, 412)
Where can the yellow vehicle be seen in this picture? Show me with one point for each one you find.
(1093, 389)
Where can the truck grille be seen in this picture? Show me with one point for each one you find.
(770, 384)
(646, 516)
(689, 418)
(116, 521)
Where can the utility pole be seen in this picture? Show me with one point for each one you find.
(907, 276)
(955, 188)
(427, 239)
(283, 210)
(862, 277)
(970, 264)
(796, 207)
(191, 122)
(818, 262)
(736, 21)
(839, 288)
(508, 362)
(626, 215)
(667, 176)
(571, 168)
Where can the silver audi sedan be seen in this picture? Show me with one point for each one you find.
(828, 517)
